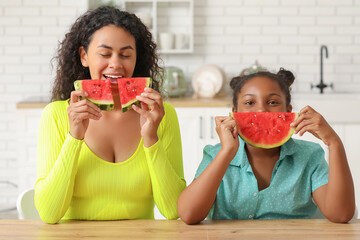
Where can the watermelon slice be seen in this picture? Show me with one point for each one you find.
(99, 92)
(103, 92)
(265, 129)
(129, 88)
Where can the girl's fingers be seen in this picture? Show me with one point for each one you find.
(301, 125)
(219, 120)
(307, 110)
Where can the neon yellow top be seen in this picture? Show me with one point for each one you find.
(73, 183)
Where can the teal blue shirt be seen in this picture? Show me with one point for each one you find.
(300, 170)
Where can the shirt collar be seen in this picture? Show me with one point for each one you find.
(241, 160)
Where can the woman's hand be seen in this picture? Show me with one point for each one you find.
(226, 128)
(80, 111)
(151, 113)
(314, 123)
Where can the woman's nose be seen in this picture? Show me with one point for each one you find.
(115, 63)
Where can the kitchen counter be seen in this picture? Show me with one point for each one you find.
(189, 101)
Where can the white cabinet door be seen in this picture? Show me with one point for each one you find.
(197, 127)
(191, 122)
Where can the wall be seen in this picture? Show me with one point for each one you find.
(230, 33)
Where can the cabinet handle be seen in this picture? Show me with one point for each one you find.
(212, 127)
(201, 128)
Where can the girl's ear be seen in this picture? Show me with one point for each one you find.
(289, 109)
(233, 109)
(83, 56)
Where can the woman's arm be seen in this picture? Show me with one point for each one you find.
(336, 199)
(165, 164)
(57, 154)
(197, 199)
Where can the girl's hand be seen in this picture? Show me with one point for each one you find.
(226, 128)
(314, 123)
(150, 118)
(79, 112)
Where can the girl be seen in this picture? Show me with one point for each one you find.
(238, 181)
(98, 165)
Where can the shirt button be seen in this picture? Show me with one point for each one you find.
(250, 216)
(255, 194)
(276, 167)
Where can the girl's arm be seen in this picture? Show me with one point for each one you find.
(336, 199)
(197, 199)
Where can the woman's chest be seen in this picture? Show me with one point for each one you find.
(113, 140)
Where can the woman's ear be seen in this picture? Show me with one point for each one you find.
(233, 109)
(83, 56)
(289, 108)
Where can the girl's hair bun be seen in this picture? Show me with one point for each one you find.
(234, 82)
(287, 76)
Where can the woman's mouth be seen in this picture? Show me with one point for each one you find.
(113, 78)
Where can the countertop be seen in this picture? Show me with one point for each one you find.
(176, 229)
(188, 101)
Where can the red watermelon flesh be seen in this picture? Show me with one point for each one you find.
(99, 92)
(265, 129)
(129, 88)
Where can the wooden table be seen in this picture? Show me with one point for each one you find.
(175, 229)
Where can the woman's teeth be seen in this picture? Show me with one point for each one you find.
(113, 76)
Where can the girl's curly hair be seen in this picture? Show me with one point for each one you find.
(69, 67)
(283, 77)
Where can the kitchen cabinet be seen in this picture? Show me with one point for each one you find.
(197, 127)
(168, 20)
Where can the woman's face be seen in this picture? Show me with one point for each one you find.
(111, 53)
(262, 94)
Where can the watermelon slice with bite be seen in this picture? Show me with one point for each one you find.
(265, 129)
(129, 88)
(99, 92)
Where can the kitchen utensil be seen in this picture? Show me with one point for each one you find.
(175, 83)
(208, 80)
(166, 40)
(252, 69)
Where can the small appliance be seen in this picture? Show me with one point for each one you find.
(174, 82)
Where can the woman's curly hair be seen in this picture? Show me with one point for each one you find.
(69, 67)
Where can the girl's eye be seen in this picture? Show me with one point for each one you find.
(125, 56)
(273, 102)
(249, 103)
(105, 54)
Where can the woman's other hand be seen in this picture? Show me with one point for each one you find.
(79, 112)
(314, 123)
(151, 113)
(227, 130)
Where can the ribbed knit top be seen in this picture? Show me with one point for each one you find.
(74, 183)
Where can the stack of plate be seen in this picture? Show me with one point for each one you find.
(208, 80)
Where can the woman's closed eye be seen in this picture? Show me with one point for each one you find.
(105, 54)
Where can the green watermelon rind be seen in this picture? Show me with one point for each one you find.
(103, 105)
(127, 106)
(268, 146)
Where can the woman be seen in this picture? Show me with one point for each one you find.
(107, 165)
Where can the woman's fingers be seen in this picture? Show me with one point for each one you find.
(75, 95)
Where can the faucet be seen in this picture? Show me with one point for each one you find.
(322, 85)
